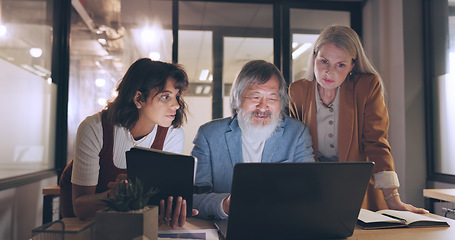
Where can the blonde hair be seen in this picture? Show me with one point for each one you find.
(346, 39)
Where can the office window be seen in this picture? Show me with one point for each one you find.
(237, 52)
(442, 81)
(195, 53)
(215, 40)
(306, 24)
(27, 93)
(106, 38)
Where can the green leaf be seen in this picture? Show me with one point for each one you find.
(129, 196)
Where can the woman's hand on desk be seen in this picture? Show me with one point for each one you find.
(397, 204)
(176, 218)
(394, 202)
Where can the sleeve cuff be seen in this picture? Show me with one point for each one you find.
(221, 212)
(386, 179)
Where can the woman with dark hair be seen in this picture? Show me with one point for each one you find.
(147, 112)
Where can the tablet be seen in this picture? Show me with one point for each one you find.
(172, 174)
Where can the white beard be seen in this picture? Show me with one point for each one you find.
(259, 132)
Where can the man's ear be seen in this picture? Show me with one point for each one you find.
(138, 99)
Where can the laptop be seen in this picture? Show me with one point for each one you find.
(295, 200)
(172, 174)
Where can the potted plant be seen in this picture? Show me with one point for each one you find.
(128, 214)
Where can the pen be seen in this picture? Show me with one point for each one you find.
(400, 219)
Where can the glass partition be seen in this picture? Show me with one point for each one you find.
(215, 40)
(306, 24)
(443, 81)
(27, 93)
(242, 50)
(106, 38)
(195, 53)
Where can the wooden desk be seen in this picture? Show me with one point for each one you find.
(52, 190)
(74, 224)
(49, 193)
(447, 195)
(76, 229)
(359, 234)
(436, 195)
(408, 233)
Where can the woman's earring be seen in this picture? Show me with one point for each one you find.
(138, 104)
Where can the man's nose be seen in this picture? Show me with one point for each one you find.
(263, 104)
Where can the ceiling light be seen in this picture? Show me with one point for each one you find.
(154, 56)
(102, 101)
(211, 77)
(102, 41)
(204, 74)
(301, 50)
(199, 89)
(207, 89)
(100, 82)
(295, 44)
(148, 35)
(36, 52)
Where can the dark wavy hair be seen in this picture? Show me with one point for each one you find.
(143, 76)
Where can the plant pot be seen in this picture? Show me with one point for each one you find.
(115, 225)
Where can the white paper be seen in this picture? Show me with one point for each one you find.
(201, 234)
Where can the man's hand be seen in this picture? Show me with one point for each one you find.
(226, 203)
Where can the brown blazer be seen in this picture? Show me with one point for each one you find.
(363, 125)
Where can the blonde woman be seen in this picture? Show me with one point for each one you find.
(341, 100)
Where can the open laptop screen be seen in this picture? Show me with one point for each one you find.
(296, 200)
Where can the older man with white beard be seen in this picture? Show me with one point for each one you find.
(259, 131)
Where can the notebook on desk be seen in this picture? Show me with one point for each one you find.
(172, 174)
(295, 200)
